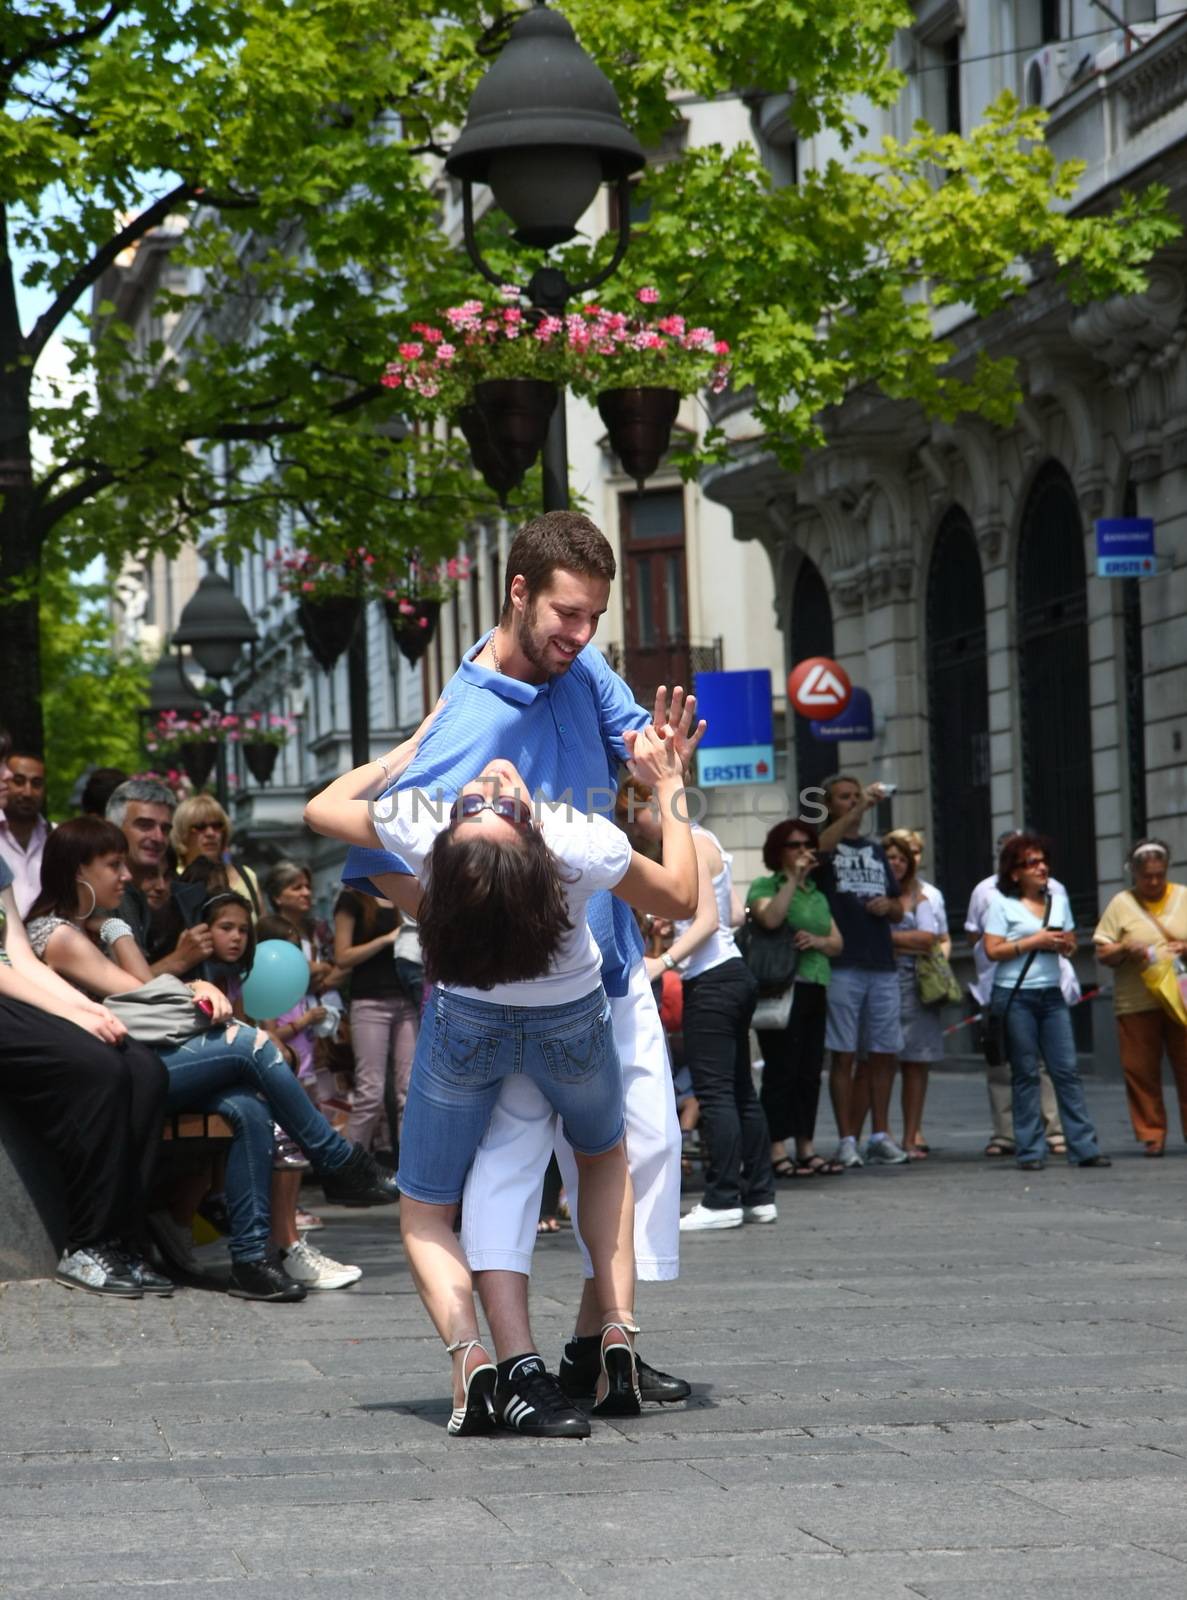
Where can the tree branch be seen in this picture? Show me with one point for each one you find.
(93, 270)
(63, 41)
(70, 499)
(246, 432)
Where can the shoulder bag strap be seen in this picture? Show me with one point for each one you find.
(1031, 954)
(1150, 917)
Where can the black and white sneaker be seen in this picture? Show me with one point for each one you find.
(529, 1400)
(100, 1269)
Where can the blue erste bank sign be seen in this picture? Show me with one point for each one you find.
(1125, 547)
(739, 744)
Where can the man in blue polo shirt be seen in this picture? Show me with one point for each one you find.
(538, 694)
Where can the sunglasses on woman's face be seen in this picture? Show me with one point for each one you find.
(1032, 862)
(798, 844)
(514, 811)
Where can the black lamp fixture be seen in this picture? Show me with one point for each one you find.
(544, 130)
(216, 626)
(169, 690)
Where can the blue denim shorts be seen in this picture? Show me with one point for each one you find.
(864, 1012)
(464, 1051)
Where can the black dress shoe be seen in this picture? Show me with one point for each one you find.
(265, 1279)
(1096, 1161)
(359, 1181)
(580, 1366)
(150, 1280)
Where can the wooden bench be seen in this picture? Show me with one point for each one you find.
(196, 1125)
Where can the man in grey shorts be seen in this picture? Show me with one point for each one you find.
(863, 994)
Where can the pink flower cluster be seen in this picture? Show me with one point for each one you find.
(201, 727)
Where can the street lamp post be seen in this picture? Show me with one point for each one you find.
(216, 626)
(544, 130)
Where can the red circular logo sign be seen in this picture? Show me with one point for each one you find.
(819, 688)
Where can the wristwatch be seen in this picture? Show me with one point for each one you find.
(667, 963)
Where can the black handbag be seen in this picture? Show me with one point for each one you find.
(993, 1023)
(770, 953)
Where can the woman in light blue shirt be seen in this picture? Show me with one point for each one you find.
(1026, 931)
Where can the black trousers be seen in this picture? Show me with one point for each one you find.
(793, 1059)
(99, 1107)
(718, 1006)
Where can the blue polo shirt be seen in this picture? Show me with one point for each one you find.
(564, 736)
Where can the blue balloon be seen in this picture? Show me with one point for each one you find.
(279, 977)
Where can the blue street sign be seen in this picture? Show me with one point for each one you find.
(855, 723)
(739, 744)
(1125, 547)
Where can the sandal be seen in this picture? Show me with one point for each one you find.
(620, 1397)
(548, 1225)
(825, 1169)
(996, 1148)
(476, 1414)
(1153, 1150)
(783, 1168)
(1057, 1144)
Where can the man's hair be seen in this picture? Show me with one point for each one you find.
(17, 754)
(98, 790)
(557, 541)
(1014, 852)
(493, 911)
(139, 791)
(830, 784)
(72, 845)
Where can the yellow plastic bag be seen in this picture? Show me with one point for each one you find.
(1166, 981)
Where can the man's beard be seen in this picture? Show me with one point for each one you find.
(533, 647)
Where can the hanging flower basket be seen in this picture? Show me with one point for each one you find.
(198, 758)
(514, 413)
(484, 452)
(640, 424)
(261, 758)
(328, 626)
(413, 624)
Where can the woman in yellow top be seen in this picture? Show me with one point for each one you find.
(202, 828)
(1142, 925)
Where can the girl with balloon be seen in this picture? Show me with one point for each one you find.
(224, 1066)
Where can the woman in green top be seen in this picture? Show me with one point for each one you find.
(793, 1057)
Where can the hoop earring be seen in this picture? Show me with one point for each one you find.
(94, 900)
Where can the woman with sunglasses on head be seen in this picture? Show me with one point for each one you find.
(793, 1057)
(516, 988)
(1027, 929)
(223, 1066)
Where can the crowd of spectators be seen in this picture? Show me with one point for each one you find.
(133, 921)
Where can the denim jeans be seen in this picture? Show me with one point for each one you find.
(1038, 1023)
(248, 1180)
(465, 1050)
(209, 1062)
(718, 1006)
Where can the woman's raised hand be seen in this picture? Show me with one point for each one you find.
(654, 756)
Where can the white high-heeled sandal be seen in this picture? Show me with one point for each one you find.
(476, 1414)
(622, 1397)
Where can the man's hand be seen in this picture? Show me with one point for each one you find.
(880, 906)
(679, 716)
(220, 1006)
(195, 944)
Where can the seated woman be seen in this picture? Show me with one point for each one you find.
(201, 831)
(99, 1108)
(223, 1067)
(516, 977)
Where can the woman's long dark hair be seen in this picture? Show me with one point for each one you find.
(492, 911)
(72, 845)
(1014, 852)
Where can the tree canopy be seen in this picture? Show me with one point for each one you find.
(292, 146)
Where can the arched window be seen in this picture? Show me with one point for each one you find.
(811, 635)
(1057, 778)
(958, 712)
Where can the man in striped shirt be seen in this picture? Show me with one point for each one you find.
(537, 693)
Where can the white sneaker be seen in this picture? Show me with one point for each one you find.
(847, 1154)
(765, 1213)
(701, 1219)
(306, 1263)
(885, 1153)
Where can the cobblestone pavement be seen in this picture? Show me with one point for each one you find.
(955, 1381)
